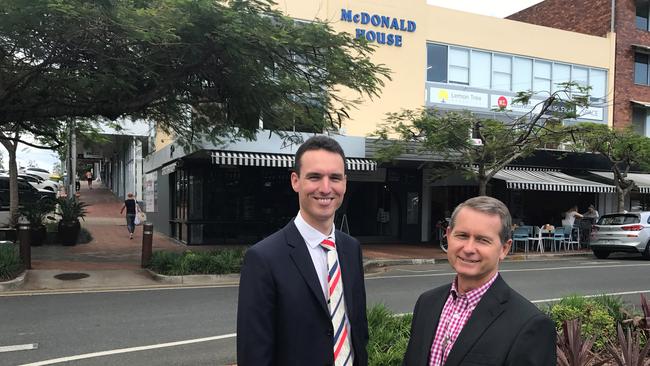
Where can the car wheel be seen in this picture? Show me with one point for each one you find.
(602, 254)
(646, 252)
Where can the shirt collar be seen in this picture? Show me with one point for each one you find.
(475, 295)
(312, 237)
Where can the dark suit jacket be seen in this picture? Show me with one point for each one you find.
(504, 329)
(282, 316)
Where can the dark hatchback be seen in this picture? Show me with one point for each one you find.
(26, 193)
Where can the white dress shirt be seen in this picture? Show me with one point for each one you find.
(313, 238)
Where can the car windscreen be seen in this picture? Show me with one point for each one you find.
(619, 219)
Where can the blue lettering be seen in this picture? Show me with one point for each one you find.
(355, 18)
(375, 20)
(411, 26)
(394, 24)
(365, 18)
(370, 36)
(398, 41)
(390, 40)
(361, 33)
(385, 21)
(381, 37)
(402, 26)
(346, 15)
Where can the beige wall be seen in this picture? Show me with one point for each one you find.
(435, 24)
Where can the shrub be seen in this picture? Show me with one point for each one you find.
(594, 318)
(187, 263)
(389, 336)
(10, 265)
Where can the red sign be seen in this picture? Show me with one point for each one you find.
(502, 102)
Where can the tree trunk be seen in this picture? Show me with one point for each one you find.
(482, 186)
(13, 181)
(621, 193)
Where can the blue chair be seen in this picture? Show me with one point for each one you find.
(558, 238)
(520, 235)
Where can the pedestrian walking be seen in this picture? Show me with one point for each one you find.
(132, 210)
(302, 299)
(89, 178)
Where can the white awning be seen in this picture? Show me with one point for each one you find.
(642, 180)
(547, 180)
(279, 160)
(643, 104)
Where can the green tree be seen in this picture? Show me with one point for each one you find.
(201, 69)
(478, 147)
(624, 148)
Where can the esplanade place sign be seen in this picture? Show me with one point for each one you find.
(389, 28)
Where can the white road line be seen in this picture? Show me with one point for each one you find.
(106, 290)
(588, 296)
(19, 347)
(128, 350)
(514, 270)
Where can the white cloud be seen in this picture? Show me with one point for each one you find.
(44, 159)
(495, 8)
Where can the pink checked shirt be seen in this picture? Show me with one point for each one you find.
(455, 314)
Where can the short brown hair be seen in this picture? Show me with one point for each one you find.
(490, 206)
(318, 142)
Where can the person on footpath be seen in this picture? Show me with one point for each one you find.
(89, 179)
(478, 318)
(132, 209)
(302, 298)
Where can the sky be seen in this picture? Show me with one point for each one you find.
(495, 8)
(498, 8)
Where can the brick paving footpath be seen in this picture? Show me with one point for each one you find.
(110, 247)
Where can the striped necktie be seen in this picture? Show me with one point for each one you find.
(342, 346)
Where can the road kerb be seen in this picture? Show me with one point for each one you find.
(195, 279)
(13, 284)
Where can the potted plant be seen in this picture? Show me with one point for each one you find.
(70, 210)
(35, 214)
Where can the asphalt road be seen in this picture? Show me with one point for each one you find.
(195, 326)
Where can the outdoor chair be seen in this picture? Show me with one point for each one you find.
(558, 238)
(520, 235)
(569, 237)
(536, 238)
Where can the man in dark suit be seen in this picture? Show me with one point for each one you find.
(291, 311)
(478, 319)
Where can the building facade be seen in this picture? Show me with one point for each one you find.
(629, 19)
(438, 58)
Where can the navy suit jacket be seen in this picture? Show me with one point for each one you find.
(504, 329)
(282, 314)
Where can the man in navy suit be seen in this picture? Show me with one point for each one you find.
(283, 315)
(478, 319)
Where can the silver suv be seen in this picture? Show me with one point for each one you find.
(621, 232)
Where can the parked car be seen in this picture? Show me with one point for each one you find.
(36, 171)
(627, 232)
(26, 193)
(40, 183)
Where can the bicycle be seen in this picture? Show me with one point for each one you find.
(442, 233)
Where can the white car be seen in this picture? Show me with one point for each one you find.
(44, 174)
(38, 182)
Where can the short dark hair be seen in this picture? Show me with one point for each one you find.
(318, 142)
(490, 206)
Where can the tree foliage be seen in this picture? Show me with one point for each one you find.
(624, 148)
(200, 68)
(477, 147)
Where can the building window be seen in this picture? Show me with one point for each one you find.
(641, 68)
(642, 11)
(479, 71)
(502, 72)
(458, 65)
(597, 82)
(522, 72)
(561, 74)
(542, 76)
(436, 63)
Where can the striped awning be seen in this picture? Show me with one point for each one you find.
(548, 180)
(642, 181)
(279, 160)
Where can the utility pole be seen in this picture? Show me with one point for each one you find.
(72, 159)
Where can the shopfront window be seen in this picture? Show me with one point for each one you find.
(458, 65)
(436, 63)
(501, 72)
(542, 76)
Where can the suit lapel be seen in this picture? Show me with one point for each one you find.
(345, 258)
(301, 258)
(430, 317)
(487, 311)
